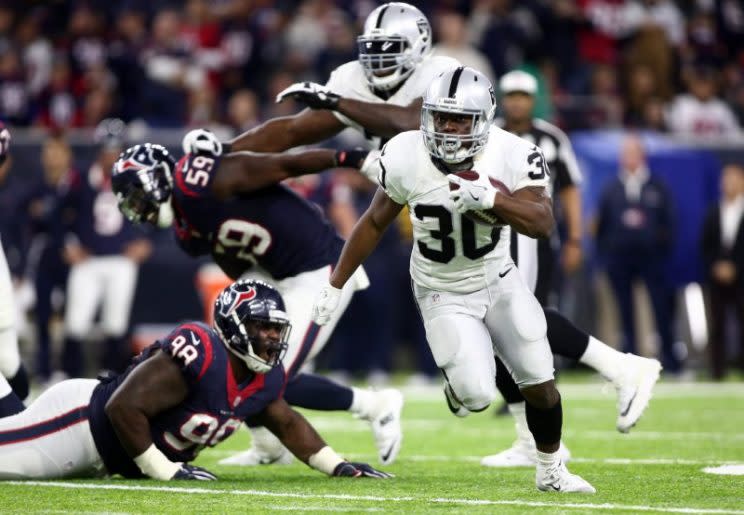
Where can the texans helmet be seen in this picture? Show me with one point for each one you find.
(245, 309)
(142, 179)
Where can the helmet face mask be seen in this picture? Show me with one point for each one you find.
(397, 36)
(250, 318)
(142, 181)
(456, 115)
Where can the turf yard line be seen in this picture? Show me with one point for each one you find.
(216, 453)
(376, 498)
(297, 507)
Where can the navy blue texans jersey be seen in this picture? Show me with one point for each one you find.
(272, 227)
(214, 408)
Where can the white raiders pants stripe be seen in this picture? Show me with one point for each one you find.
(465, 331)
(51, 439)
(108, 279)
(307, 338)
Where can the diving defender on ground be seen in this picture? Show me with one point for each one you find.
(190, 390)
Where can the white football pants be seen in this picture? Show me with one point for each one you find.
(108, 279)
(465, 331)
(307, 339)
(51, 439)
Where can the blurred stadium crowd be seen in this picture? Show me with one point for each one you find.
(663, 65)
(635, 63)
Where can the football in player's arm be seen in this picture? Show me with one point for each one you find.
(528, 210)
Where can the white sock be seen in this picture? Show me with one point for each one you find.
(10, 359)
(548, 458)
(518, 411)
(603, 358)
(363, 402)
(5, 388)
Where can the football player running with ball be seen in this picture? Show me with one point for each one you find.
(474, 303)
(190, 390)
(380, 94)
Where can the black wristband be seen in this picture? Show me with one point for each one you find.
(226, 148)
(350, 158)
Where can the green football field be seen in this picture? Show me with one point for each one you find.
(658, 467)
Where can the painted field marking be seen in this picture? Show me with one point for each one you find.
(374, 498)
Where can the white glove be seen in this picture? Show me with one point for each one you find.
(370, 166)
(472, 195)
(316, 96)
(325, 304)
(201, 141)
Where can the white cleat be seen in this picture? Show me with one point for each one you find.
(253, 457)
(520, 454)
(386, 427)
(266, 449)
(556, 478)
(634, 389)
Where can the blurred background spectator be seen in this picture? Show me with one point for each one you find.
(723, 253)
(665, 66)
(635, 231)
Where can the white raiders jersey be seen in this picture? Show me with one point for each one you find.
(451, 252)
(348, 81)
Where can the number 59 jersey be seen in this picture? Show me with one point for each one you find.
(451, 252)
(271, 227)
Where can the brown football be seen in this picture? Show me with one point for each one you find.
(482, 216)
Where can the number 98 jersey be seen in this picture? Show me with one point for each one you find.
(451, 252)
(272, 227)
(214, 408)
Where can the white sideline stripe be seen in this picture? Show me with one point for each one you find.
(347, 497)
(217, 453)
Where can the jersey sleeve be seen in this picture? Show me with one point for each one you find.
(343, 81)
(528, 167)
(194, 174)
(190, 347)
(391, 169)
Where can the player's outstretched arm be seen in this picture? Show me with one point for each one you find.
(365, 236)
(152, 387)
(384, 120)
(296, 433)
(241, 172)
(280, 134)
